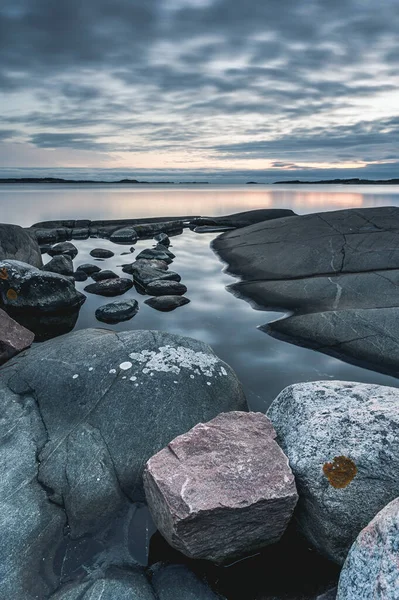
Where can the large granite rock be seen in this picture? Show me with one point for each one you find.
(13, 337)
(342, 443)
(17, 243)
(223, 490)
(177, 582)
(371, 570)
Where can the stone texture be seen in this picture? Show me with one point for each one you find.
(342, 442)
(17, 243)
(223, 490)
(167, 303)
(101, 253)
(177, 582)
(63, 248)
(371, 570)
(80, 276)
(110, 287)
(166, 288)
(88, 268)
(61, 264)
(130, 268)
(13, 337)
(145, 274)
(115, 312)
(106, 274)
(162, 238)
(127, 235)
(157, 254)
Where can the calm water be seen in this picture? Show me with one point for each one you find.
(264, 365)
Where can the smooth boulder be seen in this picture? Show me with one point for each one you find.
(110, 287)
(115, 312)
(342, 443)
(145, 274)
(167, 303)
(13, 337)
(19, 244)
(61, 264)
(166, 288)
(101, 253)
(106, 274)
(88, 268)
(127, 235)
(162, 238)
(155, 254)
(371, 570)
(178, 582)
(63, 248)
(223, 490)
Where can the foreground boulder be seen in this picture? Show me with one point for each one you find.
(339, 437)
(13, 337)
(17, 243)
(106, 274)
(371, 570)
(223, 490)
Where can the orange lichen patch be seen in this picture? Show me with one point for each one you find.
(340, 471)
(12, 294)
(3, 273)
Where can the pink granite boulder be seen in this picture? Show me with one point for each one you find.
(13, 337)
(223, 490)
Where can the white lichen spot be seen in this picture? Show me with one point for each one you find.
(175, 382)
(136, 385)
(124, 377)
(125, 366)
(151, 374)
(191, 376)
(112, 371)
(172, 360)
(208, 383)
(91, 368)
(133, 378)
(223, 371)
(75, 376)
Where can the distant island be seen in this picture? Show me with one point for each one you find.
(353, 181)
(60, 180)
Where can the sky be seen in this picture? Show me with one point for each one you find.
(200, 88)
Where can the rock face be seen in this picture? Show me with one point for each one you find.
(81, 415)
(13, 337)
(101, 253)
(339, 437)
(166, 288)
(177, 582)
(110, 287)
(115, 312)
(127, 235)
(17, 243)
(167, 303)
(63, 248)
(222, 490)
(371, 570)
(61, 264)
(327, 268)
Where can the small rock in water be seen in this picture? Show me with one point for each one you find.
(88, 268)
(162, 238)
(153, 253)
(116, 312)
(223, 490)
(13, 337)
(167, 303)
(130, 268)
(143, 275)
(80, 276)
(61, 264)
(126, 235)
(178, 582)
(110, 287)
(63, 248)
(162, 248)
(106, 274)
(166, 288)
(101, 253)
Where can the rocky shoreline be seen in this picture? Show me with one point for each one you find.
(97, 424)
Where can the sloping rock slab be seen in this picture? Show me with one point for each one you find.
(222, 490)
(63, 248)
(17, 243)
(371, 571)
(61, 264)
(343, 446)
(13, 337)
(243, 219)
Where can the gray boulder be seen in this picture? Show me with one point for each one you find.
(167, 303)
(80, 276)
(162, 238)
(166, 288)
(101, 253)
(63, 248)
(115, 312)
(130, 268)
(154, 253)
(17, 243)
(110, 287)
(178, 582)
(147, 230)
(13, 337)
(88, 268)
(338, 437)
(127, 235)
(106, 274)
(223, 490)
(371, 570)
(145, 274)
(61, 264)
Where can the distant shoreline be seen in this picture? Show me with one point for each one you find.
(353, 181)
(58, 180)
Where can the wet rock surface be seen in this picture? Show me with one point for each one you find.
(17, 243)
(110, 287)
(165, 288)
(143, 275)
(61, 264)
(127, 235)
(101, 275)
(371, 569)
(88, 268)
(63, 248)
(223, 490)
(13, 337)
(178, 582)
(157, 254)
(167, 303)
(115, 312)
(342, 444)
(101, 253)
(162, 238)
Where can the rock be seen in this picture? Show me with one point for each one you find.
(106, 274)
(13, 337)
(116, 312)
(166, 288)
(63, 248)
(110, 287)
(161, 248)
(130, 268)
(155, 254)
(144, 275)
(178, 582)
(127, 235)
(371, 569)
(101, 253)
(212, 229)
(115, 584)
(167, 303)
(223, 490)
(17, 243)
(338, 437)
(80, 233)
(162, 238)
(88, 268)
(61, 264)
(152, 229)
(243, 219)
(25, 288)
(80, 276)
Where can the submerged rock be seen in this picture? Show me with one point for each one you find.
(339, 437)
(115, 312)
(63, 248)
(88, 268)
(222, 490)
(61, 264)
(110, 287)
(19, 244)
(167, 303)
(166, 288)
(101, 253)
(106, 274)
(127, 235)
(13, 337)
(371, 570)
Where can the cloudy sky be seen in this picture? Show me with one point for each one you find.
(272, 87)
